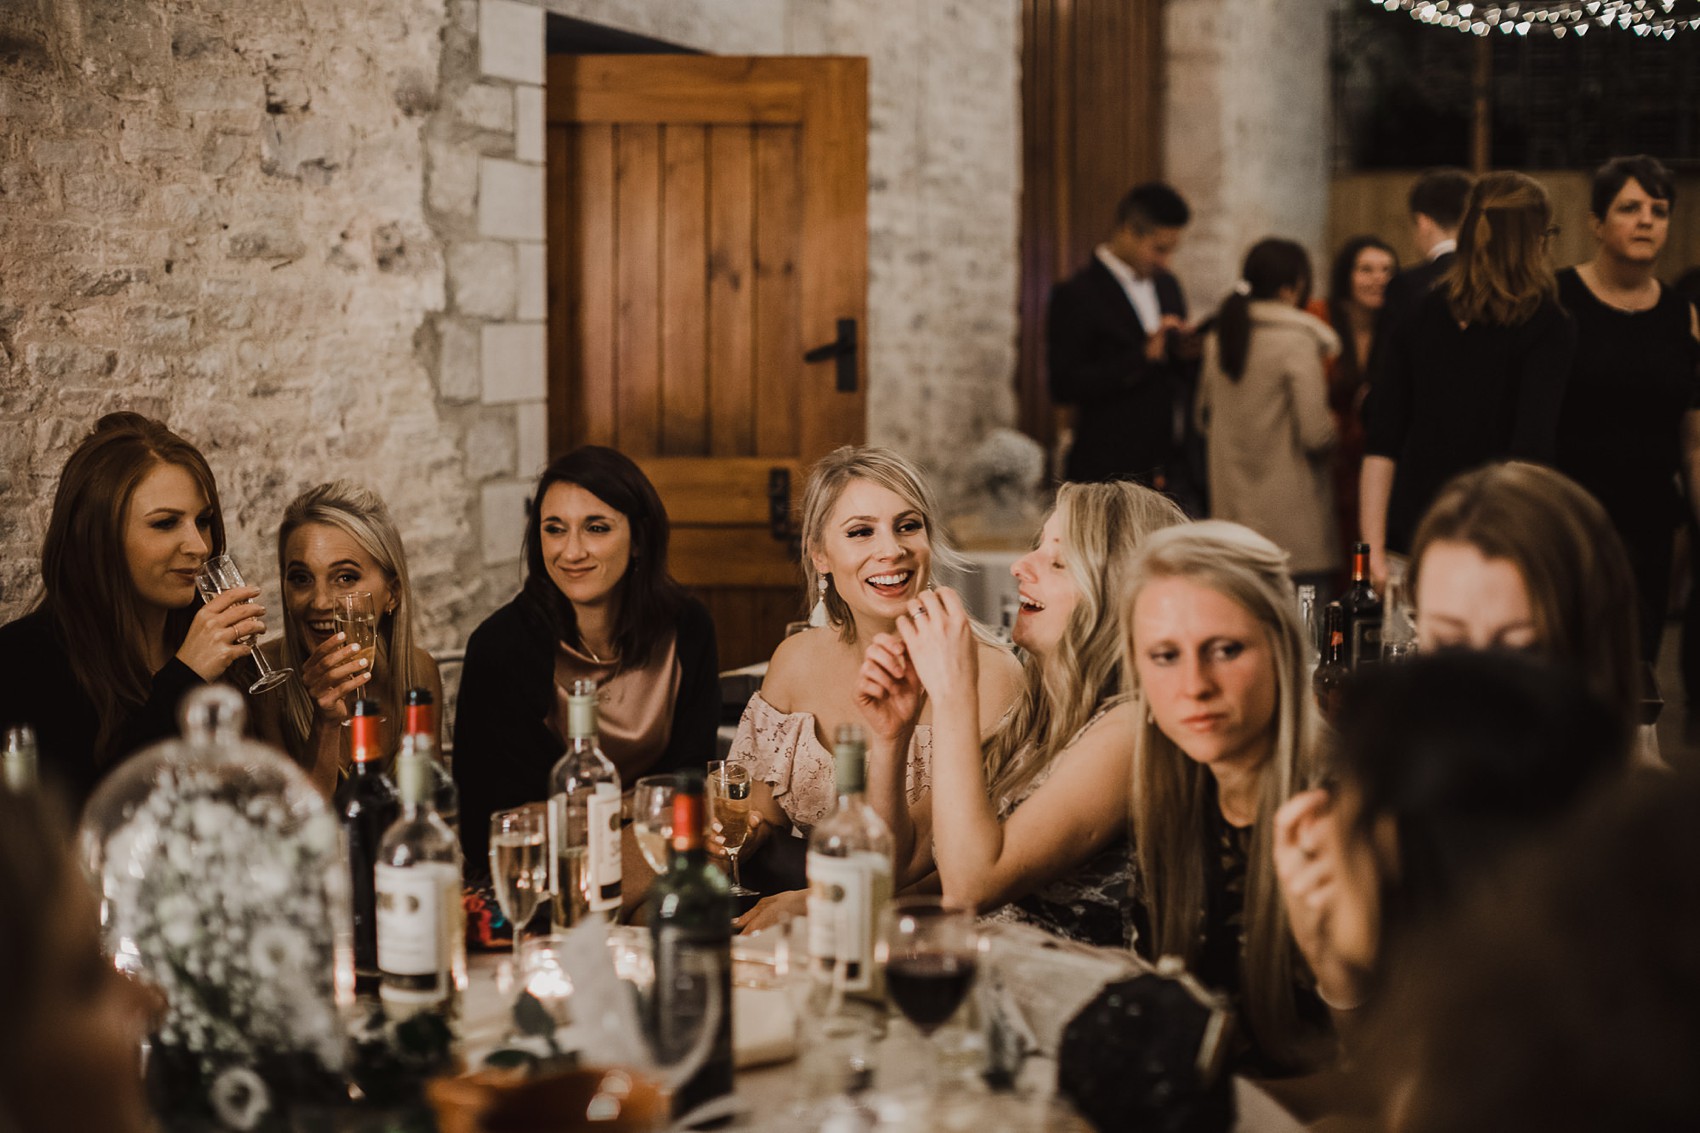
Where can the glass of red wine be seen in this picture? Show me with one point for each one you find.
(931, 950)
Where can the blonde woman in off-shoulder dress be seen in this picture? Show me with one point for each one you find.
(869, 539)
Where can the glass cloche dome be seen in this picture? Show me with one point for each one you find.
(223, 885)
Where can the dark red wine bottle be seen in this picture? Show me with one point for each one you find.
(1362, 606)
(368, 805)
(1334, 671)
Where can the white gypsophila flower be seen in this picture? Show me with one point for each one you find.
(240, 1098)
(277, 950)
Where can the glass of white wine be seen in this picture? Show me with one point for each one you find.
(218, 574)
(357, 617)
(652, 817)
(729, 811)
(519, 863)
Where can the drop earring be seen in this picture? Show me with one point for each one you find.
(817, 616)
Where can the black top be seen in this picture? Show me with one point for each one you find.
(38, 688)
(1128, 405)
(1620, 434)
(1455, 398)
(504, 745)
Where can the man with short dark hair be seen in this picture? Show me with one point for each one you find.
(1437, 203)
(1115, 333)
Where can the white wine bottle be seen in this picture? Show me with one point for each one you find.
(421, 925)
(850, 875)
(584, 820)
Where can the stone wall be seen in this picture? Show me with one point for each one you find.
(1246, 132)
(310, 237)
(212, 211)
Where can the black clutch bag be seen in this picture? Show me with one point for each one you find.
(1147, 1053)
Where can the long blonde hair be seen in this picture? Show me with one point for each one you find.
(827, 481)
(1103, 526)
(1502, 274)
(360, 514)
(1171, 791)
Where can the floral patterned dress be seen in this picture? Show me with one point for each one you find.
(1093, 903)
(783, 750)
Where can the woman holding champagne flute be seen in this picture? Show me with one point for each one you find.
(598, 603)
(119, 632)
(349, 627)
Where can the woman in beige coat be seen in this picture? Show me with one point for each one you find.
(1263, 406)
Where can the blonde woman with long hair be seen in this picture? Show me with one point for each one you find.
(870, 538)
(337, 538)
(1227, 732)
(1477, 373)
(1030, 826)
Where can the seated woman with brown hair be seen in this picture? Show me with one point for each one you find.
(71, 1026)
(119, 632)
(1517, 556)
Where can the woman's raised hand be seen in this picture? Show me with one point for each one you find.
(218, 633)
(888, 691)
(331, 672)
(938, 636)
(1309, 867)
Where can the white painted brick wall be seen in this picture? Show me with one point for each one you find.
(510, 40)
(510, 200)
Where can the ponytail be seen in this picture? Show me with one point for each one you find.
(1271, 265)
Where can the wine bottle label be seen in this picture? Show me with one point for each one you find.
(559, 839)
(602, 813)
(1366, 641)
(845, 896)
(413, 915)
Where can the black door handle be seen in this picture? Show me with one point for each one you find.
(843, 350)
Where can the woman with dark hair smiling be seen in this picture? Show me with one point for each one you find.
(597, 603)
(1631, 421)
(119, 633)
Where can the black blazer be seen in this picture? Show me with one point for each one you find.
(1127, 405)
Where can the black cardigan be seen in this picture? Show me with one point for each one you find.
(38, 688)
(504, 747)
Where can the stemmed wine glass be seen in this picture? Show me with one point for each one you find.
(519, 864)
(652, 817)
(729, 810)
(218, 574)
(356, 617)
(930, 949)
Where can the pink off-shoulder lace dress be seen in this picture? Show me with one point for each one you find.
(783, 750)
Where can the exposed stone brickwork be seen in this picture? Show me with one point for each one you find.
(1246, 132)
(309, 236)
(214, 211)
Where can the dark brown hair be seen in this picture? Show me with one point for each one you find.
(1570, 559)
(1610, 178)
(86, 584)
(1440, 194)
(1271, 264)
(650, 600)
(1340, 296)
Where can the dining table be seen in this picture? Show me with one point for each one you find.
(779, 1078)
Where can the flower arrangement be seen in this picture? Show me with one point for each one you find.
(223, 895)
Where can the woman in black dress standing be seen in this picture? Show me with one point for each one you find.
(1630, 423)
(1476, 374)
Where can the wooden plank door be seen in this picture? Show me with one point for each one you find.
(707, 225)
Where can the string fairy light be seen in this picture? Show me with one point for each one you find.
(1659, 19)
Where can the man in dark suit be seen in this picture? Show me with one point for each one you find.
(1116, 331)
(1437, 208)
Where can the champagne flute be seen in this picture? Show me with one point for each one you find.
(356, 617)
(930, 949)
(519, 864)
(218, 574)
(652, 817)
(729, 811)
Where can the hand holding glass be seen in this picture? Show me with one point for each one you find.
(357, 618)
(218, 574)
(729, 811)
